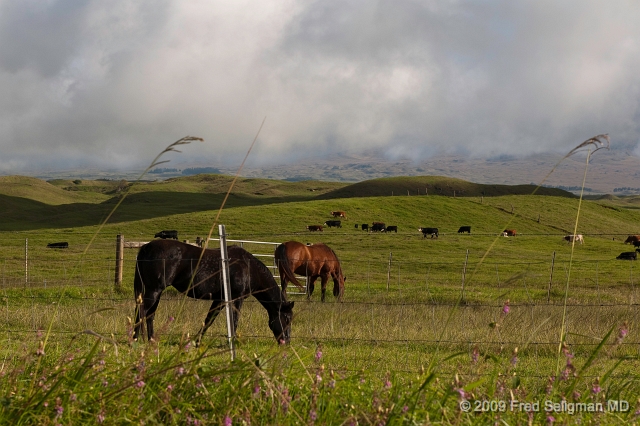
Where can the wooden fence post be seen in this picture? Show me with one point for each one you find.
(553, 260)
(464, 272)
(26, 262)
(389, 270)
(119, 259)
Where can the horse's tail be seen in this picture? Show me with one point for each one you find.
(138, 292)
(284, 269)
(338, 283)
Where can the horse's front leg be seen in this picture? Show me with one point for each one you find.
(214, 310)
(325, 279)
(237, 305)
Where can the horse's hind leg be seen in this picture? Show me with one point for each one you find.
(311, 286)
(214, 310)
(150, 305)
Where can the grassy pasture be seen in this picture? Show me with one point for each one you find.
(396, 317)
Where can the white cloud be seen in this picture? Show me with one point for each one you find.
(89, 82)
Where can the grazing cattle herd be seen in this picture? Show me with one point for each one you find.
(292, 258)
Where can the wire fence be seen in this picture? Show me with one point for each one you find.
(396, 311)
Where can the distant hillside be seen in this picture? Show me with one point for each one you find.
(435, 185)
(44, 192)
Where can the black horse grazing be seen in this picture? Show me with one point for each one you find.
(163, 263)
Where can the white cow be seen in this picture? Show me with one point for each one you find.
(571, 238)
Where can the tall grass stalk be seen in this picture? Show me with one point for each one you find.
(563, 325)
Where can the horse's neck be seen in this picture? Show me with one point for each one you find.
(266, 291)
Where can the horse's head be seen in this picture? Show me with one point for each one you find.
(280, 323)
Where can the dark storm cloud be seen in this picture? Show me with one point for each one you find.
(113, 84)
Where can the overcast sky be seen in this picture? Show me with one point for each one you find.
(111, 83)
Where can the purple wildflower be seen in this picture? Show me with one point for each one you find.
(514, 357)
(387, 384)
(140, 384)
(227, 421)
(551, 419)
(100, 418)
(169, 388)
(475, 355)
(622, 333)
(180, 371)
(313, 415)
(506, 308)
(596, 389)
(285, 400)
(318, 353)
(405, 409)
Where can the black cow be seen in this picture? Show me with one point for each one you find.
(429, 231)
(356, 226)
(333, 223)
(377, 226)
(58, 245)
(392, 229)
(628, 255)
(464, 229)
(167, 234)
(365, 226)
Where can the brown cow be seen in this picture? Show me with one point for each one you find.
(314, 228)
(632, 239)
(509, 233)
(339, 214)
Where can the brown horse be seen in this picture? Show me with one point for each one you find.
(313, 261)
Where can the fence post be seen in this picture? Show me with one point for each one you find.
(553, 260)
(464, 272)
(389, 270)
(227, 291)
(119, 259)
(26, 262)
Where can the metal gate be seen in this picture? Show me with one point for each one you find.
(270, 262)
